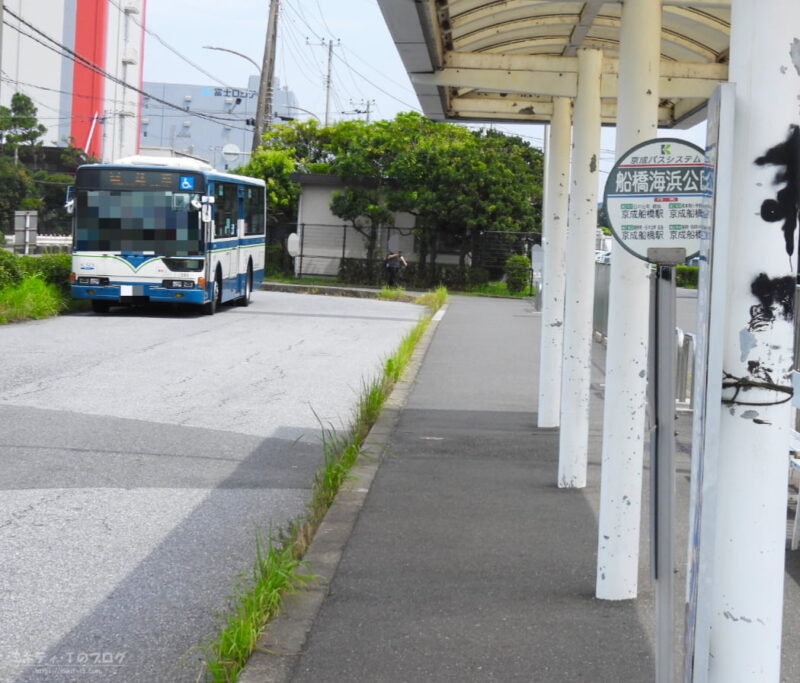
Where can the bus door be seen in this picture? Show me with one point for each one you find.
(242, 254)
(207, 230)
(226, 218)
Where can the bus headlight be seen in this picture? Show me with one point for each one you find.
(177, 284)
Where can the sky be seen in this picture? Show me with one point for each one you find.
(365, 64)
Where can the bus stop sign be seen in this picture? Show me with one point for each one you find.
(658, 197)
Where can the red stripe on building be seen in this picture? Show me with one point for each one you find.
(91, 22)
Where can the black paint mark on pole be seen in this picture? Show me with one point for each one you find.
(785, 205)
(772, 294)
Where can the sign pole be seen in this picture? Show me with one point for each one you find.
(656, 200)
(662, 454)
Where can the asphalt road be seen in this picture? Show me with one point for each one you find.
(140, 453)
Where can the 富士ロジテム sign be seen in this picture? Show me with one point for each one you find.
(658, 195)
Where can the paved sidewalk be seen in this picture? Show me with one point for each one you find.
(466, 562)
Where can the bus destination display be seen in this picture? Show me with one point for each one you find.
(136, 179)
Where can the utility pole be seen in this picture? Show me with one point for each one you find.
(264, 106)
(2, 9)
(328, 80)
(367, 104)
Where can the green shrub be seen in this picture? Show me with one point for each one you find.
(518, 273)
(52, 268)
(10, 271)
(275, 259)
(354, 271)
(686, 276)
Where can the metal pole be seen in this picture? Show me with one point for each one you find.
(750, 526)
(628, 325)
(576, 370)
(554, 244)
(662, 467)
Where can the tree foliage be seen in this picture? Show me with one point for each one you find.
(456, 182)
(18, 124)
(23, 186)
(17, 191)
(275, 166)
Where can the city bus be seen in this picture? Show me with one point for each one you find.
(147, 229)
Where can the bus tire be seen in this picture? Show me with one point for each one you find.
(210, 308)
(248, 288)
(100, 306)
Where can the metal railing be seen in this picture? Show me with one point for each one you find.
(684, 341)
(684, 370)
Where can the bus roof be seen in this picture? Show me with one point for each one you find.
(176, 163)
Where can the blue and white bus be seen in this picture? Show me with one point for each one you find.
(147, 229)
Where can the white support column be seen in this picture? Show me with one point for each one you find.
(554, 240)
(750, 528)
(579, 295)
(628, 324)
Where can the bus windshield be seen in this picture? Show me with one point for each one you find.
(161, 222)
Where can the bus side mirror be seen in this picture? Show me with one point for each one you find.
(69, 200)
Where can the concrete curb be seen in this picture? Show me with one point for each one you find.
(330, 290)
(360, 293)
(279, 648)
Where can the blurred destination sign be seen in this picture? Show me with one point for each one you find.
(658, 196)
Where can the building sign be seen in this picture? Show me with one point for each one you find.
(658, 195)
(243, 93)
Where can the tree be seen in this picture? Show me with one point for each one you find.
(16, 191)
(19, 125)
(362, 156)
(51, 189)
(460, 183)
(309, 144)
(457, 182)
(275, 166)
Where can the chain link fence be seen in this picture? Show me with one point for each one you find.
(340, 251)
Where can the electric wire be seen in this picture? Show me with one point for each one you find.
(70, 54)
(169, 47)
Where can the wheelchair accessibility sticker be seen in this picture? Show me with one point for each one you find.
(187, 182)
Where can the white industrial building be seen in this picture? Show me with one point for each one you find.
(80, 62)
(213, 122)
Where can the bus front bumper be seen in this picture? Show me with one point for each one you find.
(124, 294)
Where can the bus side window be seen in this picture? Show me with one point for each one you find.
(227, 210)
(254, 211)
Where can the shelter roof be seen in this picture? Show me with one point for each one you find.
(505, 60)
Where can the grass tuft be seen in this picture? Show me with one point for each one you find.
(30, 299)
(394, 294)
(278, 567)
(256, 599)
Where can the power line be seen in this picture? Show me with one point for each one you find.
(385, 92)
(303, 19)
(70, 54)
(169, 47)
